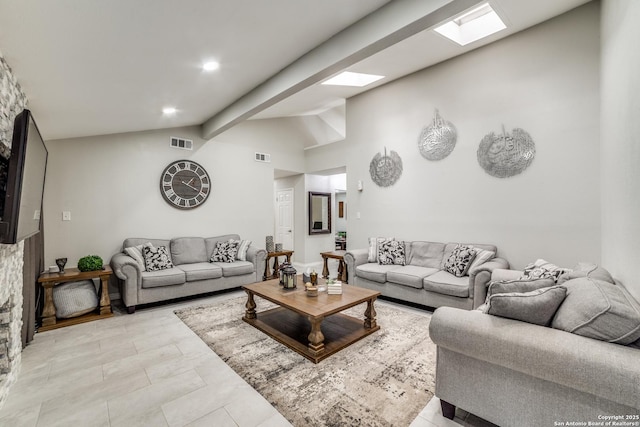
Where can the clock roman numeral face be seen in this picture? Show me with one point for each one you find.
(185, 184)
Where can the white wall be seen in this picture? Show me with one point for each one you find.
(544, 80)
(620, 149)
(111, 186)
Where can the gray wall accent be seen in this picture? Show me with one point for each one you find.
(111, 186)
(544, 80)
(620, 130)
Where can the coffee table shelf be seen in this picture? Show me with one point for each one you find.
(311, 326)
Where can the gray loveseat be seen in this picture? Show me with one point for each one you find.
(422, 280)
(530, 375)
(192, 273)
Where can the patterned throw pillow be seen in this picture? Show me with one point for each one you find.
(224, 252)
(156, 258)
(391, 252)
(542, 269)
(243, 245)
(460, 260)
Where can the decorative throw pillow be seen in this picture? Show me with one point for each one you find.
(542, 269)
(242, 246)
(374, 244)
(587, 269)
(224, 252)
(135, 252)
(482, 256)
(156, 258)
(460, 260)
(537, 307)
(599, 310)
(391, 252)
(517, 286)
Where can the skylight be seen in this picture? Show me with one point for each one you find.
(472, 25)
(348, 78)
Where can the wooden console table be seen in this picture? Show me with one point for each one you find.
(49, 280)
(267, 273)
(342, 267)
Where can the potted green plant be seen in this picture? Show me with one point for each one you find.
(90, 263)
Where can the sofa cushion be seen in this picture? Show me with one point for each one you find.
(482, 256)
(210, 242)
(374, 245)
(518, 286)
(374, 272)
(587, 269)
(537, 307)
(243, 246)
(225, 251)
(236, 268)
(168, 277)
(201, 271)
(425, 254)
(541, 269)
(156, 258)
(391, 252)
(449, 247)
(599, 310)
(446, 283)
(460, 260)
(410, 275)
(188, 250)
(135, 252)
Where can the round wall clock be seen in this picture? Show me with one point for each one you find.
(185, 184)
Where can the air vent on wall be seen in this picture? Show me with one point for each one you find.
(263, 157)
(185, 144)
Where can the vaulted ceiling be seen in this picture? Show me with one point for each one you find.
(92, 67)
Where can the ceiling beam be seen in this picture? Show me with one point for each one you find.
(392, 23)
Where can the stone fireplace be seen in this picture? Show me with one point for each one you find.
(11, 260)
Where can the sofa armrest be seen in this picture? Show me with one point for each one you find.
(354, 258)
(607, 370)
(128, 271)
(257, 257)
(479, 279)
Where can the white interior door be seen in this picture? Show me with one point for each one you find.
(284, 218)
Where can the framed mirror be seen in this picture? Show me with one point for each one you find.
(319, 213)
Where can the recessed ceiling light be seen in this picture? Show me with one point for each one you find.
(210, 66)
(473, 25)
(169, 111)
(348, 78)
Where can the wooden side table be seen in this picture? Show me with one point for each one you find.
(49, 280)
(342, 267)
(267, 273)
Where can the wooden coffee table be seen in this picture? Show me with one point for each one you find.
(311, 326)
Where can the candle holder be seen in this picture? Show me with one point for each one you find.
(61, 262)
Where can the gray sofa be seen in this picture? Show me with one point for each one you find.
(530, 375)
(422, 280)
(192, 273)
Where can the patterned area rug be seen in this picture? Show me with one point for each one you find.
(385, 379)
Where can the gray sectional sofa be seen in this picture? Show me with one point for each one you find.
(530, 375)
(192, 273)
(423, 280)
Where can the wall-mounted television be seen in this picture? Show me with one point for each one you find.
(22, 181)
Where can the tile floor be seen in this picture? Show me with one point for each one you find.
(144, 369)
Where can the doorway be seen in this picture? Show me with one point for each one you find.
(284, 218)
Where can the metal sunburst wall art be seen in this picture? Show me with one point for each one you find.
(385, 169)
(506, 155)
(438, 139)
